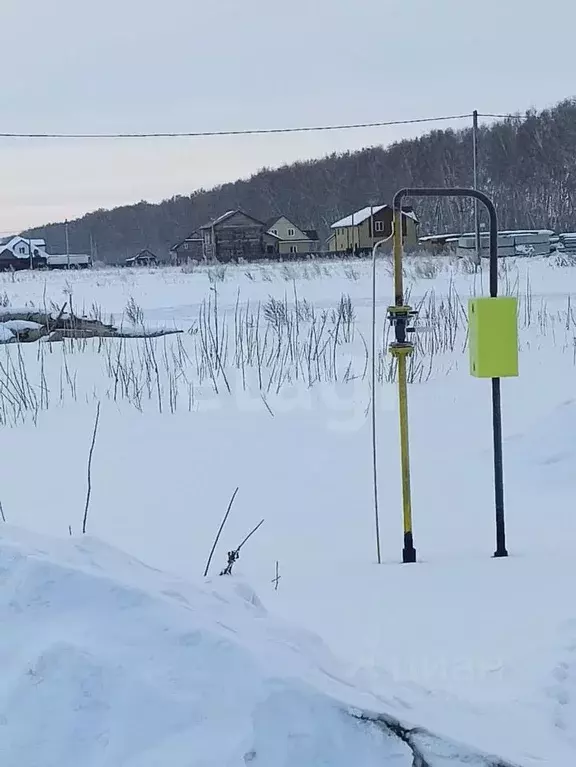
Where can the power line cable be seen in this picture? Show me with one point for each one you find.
(501, 117)
(248, 132)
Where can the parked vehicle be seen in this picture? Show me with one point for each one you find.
(71, 261)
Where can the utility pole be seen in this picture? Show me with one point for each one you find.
(374, 384)
(478, 239)
(67, 245)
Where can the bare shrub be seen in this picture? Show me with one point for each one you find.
(190, 267)
(289, 274)
(562, 260)
(346, 309)
(466, 265)
(304, 310)
(266, 276)
(275, 312)
(351, 274)
(217, 273)
(134, 312)
(426, 267)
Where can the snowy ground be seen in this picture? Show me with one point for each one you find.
(107, 662)
(479, 651)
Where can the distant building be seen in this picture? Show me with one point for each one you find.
(191, 248)
(143, 258)
(21, 253)
(358, 232)
(237, 235)
(293, 239)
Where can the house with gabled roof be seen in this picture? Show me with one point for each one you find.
(359, 231)
(144, 257)
(191, 248)
(237, 235)
(293, 239)
(20, 253)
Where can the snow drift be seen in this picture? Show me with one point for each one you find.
(106, 662)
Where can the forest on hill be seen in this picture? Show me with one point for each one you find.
(526, 163)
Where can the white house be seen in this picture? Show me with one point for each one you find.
(20, 247)
(20, 253)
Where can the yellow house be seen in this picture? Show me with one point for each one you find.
(358, 232)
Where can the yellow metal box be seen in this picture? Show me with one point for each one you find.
(493, 337)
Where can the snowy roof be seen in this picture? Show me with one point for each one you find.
(510, 232)
(435, 237)
(10, 248)
(223, 217)
(227, 215)
(194, 236)
(11, 242)
(310, 234)
(357, 218)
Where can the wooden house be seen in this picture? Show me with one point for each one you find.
(191, 248)
(143, 258)
(237, 235)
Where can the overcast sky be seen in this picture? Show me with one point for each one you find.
(190, 65)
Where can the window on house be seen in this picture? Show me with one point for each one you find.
(378, 226)
(291, 232)
(274, 231)
(293, 248)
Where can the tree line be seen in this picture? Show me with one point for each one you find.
(526, 164)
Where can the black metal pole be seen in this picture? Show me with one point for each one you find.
(496, 398)
(497, 410)
(498, 470)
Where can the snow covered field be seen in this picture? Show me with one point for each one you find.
(268, 391)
